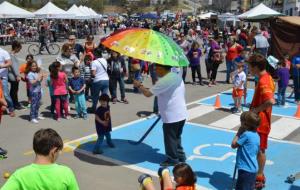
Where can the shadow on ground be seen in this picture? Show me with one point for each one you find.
(124, 152)
(219, 180)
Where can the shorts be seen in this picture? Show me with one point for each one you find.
(263, 141)
(245, 180)
(237, 93)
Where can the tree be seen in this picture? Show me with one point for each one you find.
(97, 5)
(61, 3)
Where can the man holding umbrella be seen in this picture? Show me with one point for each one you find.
(170, 92)
(158, 48)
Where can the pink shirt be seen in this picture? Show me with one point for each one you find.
(59, 84)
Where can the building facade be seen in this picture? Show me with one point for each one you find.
(291, 7)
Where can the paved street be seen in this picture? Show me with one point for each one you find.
(93, 172)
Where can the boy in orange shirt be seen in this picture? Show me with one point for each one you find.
(262, 103)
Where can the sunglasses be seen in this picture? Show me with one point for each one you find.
(71, 39)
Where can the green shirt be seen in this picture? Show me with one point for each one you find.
(42, 177)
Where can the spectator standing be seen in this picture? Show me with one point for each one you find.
(296, 76)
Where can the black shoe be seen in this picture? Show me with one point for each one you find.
(3, 152)
(20, 108)
(168, 162)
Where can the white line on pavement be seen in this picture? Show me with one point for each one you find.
(283, 127)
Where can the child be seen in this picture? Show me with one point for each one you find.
(247, 141)
(287, 61)
(283, 74)
(86, 73)
(44, 173)
(59, 82)
(51, 93)
(184, 177)
(103, 124)
(238, 78)
(77, 86)
(35, 78)
(22, 69)
(194, 56)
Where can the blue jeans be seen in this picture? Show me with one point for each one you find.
(35, 104)
(100, 140)
(297, 87)
(138, 77)
(7, 97)
(245, 180)
(113, 85)
(80, 104)
(281, 95)
(97, 87)
(230, 67)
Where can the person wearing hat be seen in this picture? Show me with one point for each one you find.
(261, 43)
(247, 143)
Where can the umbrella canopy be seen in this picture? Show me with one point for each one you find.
(149, 16)
(52, 11)
(147, 45)
(78, 13)
(8, 10)
(206, 15)
(261, 11)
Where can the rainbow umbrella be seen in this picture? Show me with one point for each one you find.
(147, 45)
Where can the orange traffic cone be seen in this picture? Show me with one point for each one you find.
(297, 114)
(217, 102)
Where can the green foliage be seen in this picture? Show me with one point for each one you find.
(61, 3)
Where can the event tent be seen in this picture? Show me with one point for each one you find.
(88, 11)
(78, 13)
(52, 11)
(206, 15)
(261, 11)
(8, 10)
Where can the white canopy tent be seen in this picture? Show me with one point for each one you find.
(79, 14)
(8, 10)
(87, 11)
(52, 11)
(261, 11)
(206, 15)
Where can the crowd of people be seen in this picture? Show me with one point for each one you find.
(90, 72)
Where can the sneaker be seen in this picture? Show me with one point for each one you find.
(20, 107)
(168, 162)
(85, 117)
(67, 117)
(2, 151)
(58, 120)
(125, 101)
(28, 106)
(201, 84)
(40, 118)
(99, 151)
(210, 84)
(76, 116)
(214, 83)
(12, 114)
(114, 101)
(34, 121)
(111, 145)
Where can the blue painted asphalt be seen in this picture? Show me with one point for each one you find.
(214, 167)
(227, 102)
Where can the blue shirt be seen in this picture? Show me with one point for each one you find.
(76, 83)
(296, 61)
(246, 158)
(34, 87)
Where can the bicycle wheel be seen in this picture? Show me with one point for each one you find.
(33, 49)
(53, 49)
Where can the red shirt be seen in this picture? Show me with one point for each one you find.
(233, 51)
(264, 91)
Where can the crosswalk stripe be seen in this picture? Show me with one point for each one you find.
(199, 111)
(283, 127)
(228, 122)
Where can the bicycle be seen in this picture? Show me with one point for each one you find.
(53, 48)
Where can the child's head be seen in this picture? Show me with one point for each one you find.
(88, 59)
(32, 67)
(104, 100)
(195, 45)
(29, 58)
(240, 67)
(47, 142)
(184, 175)
(250, 120)
(282, 63)
(76, 72)
(286, 57)
(55, 69)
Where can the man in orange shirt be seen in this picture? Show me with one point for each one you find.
(262, 103)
